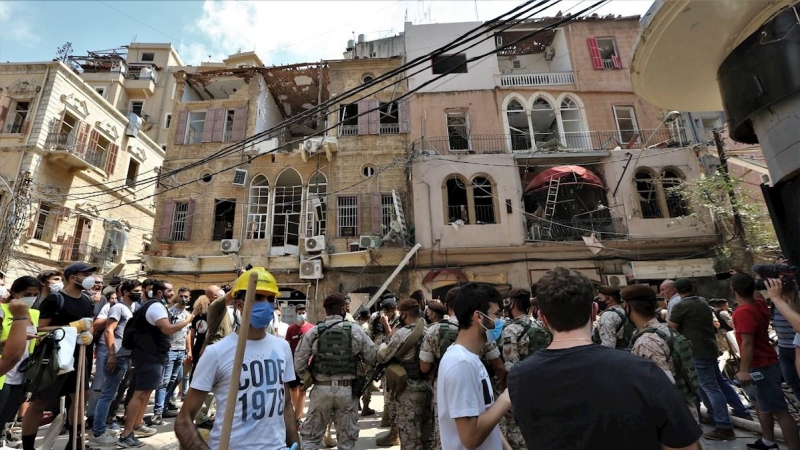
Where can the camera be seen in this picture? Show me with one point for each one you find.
(787, 274)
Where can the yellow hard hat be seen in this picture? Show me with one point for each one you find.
(266, 282)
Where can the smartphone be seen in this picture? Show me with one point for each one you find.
(756, 376)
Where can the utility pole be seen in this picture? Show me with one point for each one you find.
(15, 218)
(737, 218)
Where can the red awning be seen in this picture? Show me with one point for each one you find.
(582, 175)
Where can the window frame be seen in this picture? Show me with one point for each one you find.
(217, 204)
(44, 232)
(610, 64)
(148, 57)
(354, 218)
(189, 121)
(167, 120)
(131, 182)
(470, 187)
(634, 120)
(179, 217)
(438, 61)
(456, 114)
(101, 90)
(130, 109)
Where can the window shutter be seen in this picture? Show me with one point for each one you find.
(26, 126)
(83, 134)
(402, 116)
(377, 214)
(32, 225)
(3, 115)
(63, 213)
(616, 62)
(189, 219)
(180, 129)
(208, 128)
(358, 216)
(363, 120)
(594, 52)
(219, 124)
(239, 122)
(59, 125)
(374, 117)
(165, 227)
(94, 136)
(111, 162)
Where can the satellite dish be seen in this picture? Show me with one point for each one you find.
(134, 125)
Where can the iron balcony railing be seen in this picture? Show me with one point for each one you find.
(576, 228)
(389, 128)
(551, 142)
(537, 79)
(67, 142)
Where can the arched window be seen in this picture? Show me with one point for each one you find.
(483, 200)
(647, 188)
(518, 127)
(288, 201)
(545, 125)
(457, 200)
(572, 122)
(258, 208)
(316, 205)
(670, 182)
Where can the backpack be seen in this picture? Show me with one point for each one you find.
(447, 335)
(680, 351)
(538, 338)
(627, 327)
(334, 350)
(722, 324)
(130, 336)
(41, 368)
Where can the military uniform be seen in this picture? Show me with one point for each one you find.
(364, 369)
(332, 397)
(378, 335)
(611, 326)
(432, 352)
(412, 412)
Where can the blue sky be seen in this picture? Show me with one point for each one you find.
(279, 31)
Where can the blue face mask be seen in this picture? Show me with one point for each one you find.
(493, 334)
(262, 315)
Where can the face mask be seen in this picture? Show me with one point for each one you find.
(302, 317)
(150, 293)
(135, 296)
(3, 292)
(28, 300)
(262, 315)
(56, 287)
(494, 333)
(87, 283)
(186, 301)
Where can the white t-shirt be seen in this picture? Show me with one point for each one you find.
(103, 314)
(156, 312)
(121, 313)
(258, 419)
(463, 389)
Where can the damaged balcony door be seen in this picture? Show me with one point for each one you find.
(286, 214)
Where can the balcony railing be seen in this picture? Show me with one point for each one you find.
(348, 130)
(537, 79)
(67, 142)
(576, 228)
(484, 214)
(389, 128)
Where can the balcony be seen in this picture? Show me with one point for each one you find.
(140, 87)
(348, 130)
(536, 79)
(575, 229)
(75, 155)
(389, 128)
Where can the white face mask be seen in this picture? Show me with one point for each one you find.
(150, 293)
(28, 300)
(302, 317)
(56, 287)
(88, 282)
(3, 292)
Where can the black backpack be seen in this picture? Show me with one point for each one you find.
(722, 324)
(130, 336)
(627, 327)
(40, 369)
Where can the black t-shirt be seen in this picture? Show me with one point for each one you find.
(73, 309)
(597, 397)
(200, 327)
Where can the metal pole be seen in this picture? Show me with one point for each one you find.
(397, 270)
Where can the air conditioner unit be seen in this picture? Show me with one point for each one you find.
(315, 244)
(229, 245)
(617, 280)
(239, 177)
(366, 242)
(311, 270)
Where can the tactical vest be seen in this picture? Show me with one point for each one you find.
(334, 350)
(625, 325)
(412, 366)
(538, 337)
(447, 335)
(680, 351)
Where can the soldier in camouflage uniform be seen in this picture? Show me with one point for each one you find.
(642, 309)
(521, 338)
(611, 323)
(333, 373)
(362, 319)
(412, 403)
(438, 337)
(382, 323)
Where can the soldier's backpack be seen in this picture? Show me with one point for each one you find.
(334, 350)
(680, 352)
(447, 335)
(627, 327)
(538, 338)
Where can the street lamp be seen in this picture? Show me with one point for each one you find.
(669, 117)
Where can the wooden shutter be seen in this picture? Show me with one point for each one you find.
(111, 161)
(594, 52)
(363, 118)
(32, 225)
(239, 122)
(94, 136)
(219, 124)
(377, 214)
(83, 134)
(3, 115)
(59, 128)
(189, 220)
(165, 227)
(616, 61)
(180, 129)
(402, 116)
(208, 128)
(26, 126)
(374, 117)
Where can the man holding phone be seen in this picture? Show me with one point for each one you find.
(759, 365)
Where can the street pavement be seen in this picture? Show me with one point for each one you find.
(370, 430)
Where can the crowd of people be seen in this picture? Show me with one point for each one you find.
(567, 365)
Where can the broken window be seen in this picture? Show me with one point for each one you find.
(316, 205)
(114, 242)
(195, 126)
(178, 232)
(458, 131)
(456, 63)
(148, 56)
(647, 188)
(627, 127)
(348, 120)
(44, 227)
(387, 212)
(573, 125)
(483, 200)
(133, 172)
(100, 90)
(671, 180)
(518, 128)
(545, 125)
(603, 52)
(258, 208)
(224, 215)
(457, 200)
(347, 215)
(389, 118)
(137, 107)
(20, 110)
(287, 201)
